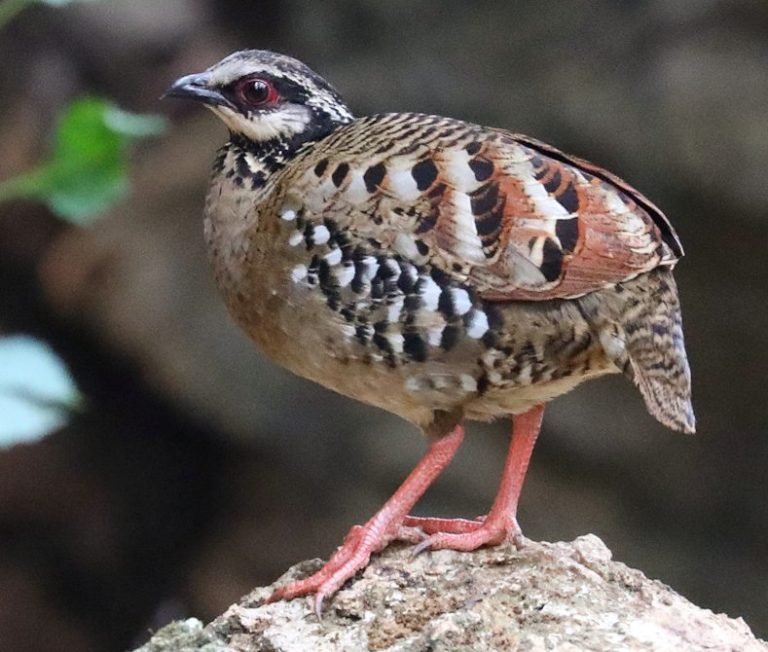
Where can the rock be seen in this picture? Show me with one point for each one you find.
(546, 596)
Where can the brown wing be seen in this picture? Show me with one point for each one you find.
(516, 218)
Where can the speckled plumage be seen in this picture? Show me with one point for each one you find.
(392, 277)
(431, 267)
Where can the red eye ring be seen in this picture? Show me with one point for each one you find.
(256, 92)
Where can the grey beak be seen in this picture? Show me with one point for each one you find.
(196, 87)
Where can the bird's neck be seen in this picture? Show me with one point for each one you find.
(249, 164)
(253, 162)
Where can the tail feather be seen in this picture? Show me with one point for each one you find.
(644, 338)
(653, 328)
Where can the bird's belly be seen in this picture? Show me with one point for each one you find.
(385, 332)
(298, 333)
(294, 326)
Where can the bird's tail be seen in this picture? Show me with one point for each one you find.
(647, 341)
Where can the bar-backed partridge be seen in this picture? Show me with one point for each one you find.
(437, 269)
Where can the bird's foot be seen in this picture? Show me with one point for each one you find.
(384, 526)
(429, 526)
(364, 540)
(354, 554)
(360, 543)
(464, 535)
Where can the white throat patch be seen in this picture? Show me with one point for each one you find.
(284, 123)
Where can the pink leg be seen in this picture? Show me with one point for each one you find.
(384, 526)
(501, 522)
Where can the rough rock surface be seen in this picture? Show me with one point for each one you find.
(546, 596)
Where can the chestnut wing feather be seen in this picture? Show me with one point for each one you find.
(515, 218)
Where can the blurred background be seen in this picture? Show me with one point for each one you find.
(192, 469)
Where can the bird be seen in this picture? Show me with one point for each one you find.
(437, 269)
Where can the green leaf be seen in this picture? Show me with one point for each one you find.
(87, 172)
(134, 125)
(36, 391)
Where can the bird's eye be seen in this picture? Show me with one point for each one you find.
(256, 92)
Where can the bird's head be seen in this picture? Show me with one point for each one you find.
(266, 97)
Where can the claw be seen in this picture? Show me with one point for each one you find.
(419, 548)
(319, 606)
